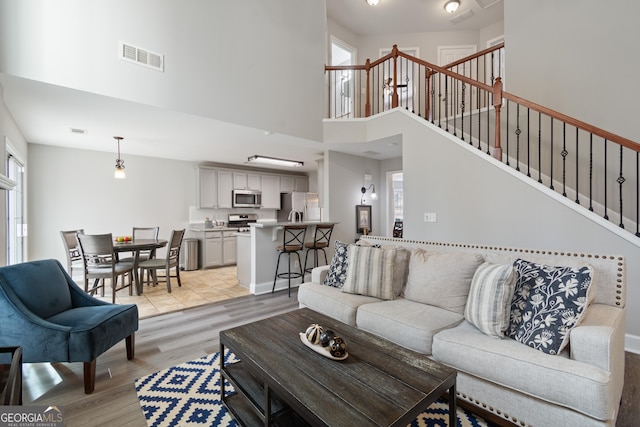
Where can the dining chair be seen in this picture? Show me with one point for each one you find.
(100, 263)
(147, 233)
(74, 259)
(172, 260)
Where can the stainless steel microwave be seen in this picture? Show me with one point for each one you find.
(247, 198)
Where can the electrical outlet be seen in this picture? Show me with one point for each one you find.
(430, 217)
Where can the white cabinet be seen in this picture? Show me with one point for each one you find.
(218, 248)
(289, 183)
(270, 192)
(208, 188)
(247, 181)
(212, 249)
(225, 189)
(228, 247)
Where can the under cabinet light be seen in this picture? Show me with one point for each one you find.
(275, 161)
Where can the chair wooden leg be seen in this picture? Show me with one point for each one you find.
(114, 285)
(130, 343)
(89, 376)
(168, 279)
(178, 275)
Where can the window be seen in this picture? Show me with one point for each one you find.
(16, 221)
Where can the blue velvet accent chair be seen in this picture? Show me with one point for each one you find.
(43, 311)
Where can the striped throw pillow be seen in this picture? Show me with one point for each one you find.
(489, 301)
(370, 272)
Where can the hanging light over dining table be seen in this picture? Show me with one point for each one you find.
(119, 172)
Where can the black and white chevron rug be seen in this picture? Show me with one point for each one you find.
(188, 395)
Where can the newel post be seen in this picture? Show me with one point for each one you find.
(394, 96)
(367, 102)
(497, 105)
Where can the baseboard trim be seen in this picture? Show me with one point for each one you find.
(632, 343)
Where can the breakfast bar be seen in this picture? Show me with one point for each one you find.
(257, 254)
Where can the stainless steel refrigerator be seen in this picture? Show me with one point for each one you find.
(305, 203)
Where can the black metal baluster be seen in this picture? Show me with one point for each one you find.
(518, 132)
(454, 106)
(606, 215)
(492, 72)
(637, 194)
(621, 179)
(528, 144)
(539, 147)
(591, 172)
(462, 103)
(577, 169)
(564, 154)
(551, 186)
(488, 122)
(507, 132)
(439, 100)
(432, 109)
(446, 102)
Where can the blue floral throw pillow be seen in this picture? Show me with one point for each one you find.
(338, 268)
(547, 303)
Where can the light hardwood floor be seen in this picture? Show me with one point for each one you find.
(169, 339)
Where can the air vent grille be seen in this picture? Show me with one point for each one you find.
(137, 55)
(462, 16)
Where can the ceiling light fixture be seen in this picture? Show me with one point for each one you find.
(119, 173)
(451, 6)
(363, 190)
(275, 161)
(372, 2)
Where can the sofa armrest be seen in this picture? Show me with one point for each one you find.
(599, 339)
(319, 273)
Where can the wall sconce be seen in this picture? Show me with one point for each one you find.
(451, 6)
(119, 173)
(363, 190)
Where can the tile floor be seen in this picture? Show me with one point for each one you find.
(198, 287)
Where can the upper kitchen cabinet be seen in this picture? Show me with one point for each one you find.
(246, 181)
(225, 189)
(270, 192)
(208, 188)
(294, 183)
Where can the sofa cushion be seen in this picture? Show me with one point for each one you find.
(441, 279)
(548, 302)
(332, 301)
(370, 272)
(558, 380)
(338, 267)
(407, 323)
(489, 302)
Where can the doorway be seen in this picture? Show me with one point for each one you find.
(16, 221)
(454, 104)
(395, 202)
(343, 86)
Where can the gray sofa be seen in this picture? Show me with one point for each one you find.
(580, 386)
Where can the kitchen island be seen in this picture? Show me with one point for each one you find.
(257, 265)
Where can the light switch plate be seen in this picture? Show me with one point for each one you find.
(430, 217)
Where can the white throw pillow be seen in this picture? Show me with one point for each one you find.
(489, 302)
(370, 272)
(441, 279)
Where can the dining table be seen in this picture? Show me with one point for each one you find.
(136, 246)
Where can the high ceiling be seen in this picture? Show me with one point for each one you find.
(46, 114)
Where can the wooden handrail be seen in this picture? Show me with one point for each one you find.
(609, 136)
(475, 55)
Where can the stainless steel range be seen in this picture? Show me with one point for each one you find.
(241, 221)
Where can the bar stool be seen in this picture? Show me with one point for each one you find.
(321, 239)
(292, 243)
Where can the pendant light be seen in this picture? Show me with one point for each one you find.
(119, 172)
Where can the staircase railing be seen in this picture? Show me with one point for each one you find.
(595, 168)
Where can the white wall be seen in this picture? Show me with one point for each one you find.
(480, 202)
(71, 189)
(577, 57)
(248, 62)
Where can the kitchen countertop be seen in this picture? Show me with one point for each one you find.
(283, 223)
(214, 229)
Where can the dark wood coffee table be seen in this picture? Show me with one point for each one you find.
(280, 381)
